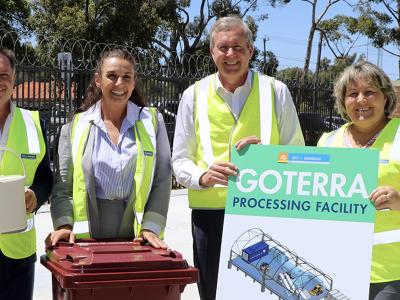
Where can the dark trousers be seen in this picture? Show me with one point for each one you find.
(16, 278)
(207, 228)
(385, 290)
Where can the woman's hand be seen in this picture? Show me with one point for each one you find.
(152, 238)
(385, 197)
(62, 233)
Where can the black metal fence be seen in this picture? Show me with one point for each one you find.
(56, 94)
(56, 89)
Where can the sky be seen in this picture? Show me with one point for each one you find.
(287, 28)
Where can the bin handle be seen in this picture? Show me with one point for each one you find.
(2, 149)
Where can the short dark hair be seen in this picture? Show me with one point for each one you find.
(10, 56)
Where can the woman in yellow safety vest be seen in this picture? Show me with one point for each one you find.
(365, 98)
(114, 177)
(21, 131)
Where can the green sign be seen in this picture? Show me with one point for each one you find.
(304, 182)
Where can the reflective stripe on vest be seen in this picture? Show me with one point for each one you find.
(79, 134)
(217, 129)
(390, 236)
(25, 137)
(387, 237)
(145, 135)
(395, 152)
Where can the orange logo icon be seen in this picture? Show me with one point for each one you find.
(283, 157)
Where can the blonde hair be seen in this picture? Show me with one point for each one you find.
(371, 74)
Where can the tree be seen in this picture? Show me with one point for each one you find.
(128, 22)
(187, 35)
(379, 20)
(164, 25)
(329, 71)
(271, 64)
(339, 34)
(315, 21)
(14, 15)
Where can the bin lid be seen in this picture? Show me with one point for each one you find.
(106, 264)
(113, 256)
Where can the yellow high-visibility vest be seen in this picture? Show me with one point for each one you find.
(24, 137)
(145, 133)
(217, 130)
(385, 261)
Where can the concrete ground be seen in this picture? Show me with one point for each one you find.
(177, 236)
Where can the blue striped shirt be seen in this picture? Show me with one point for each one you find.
(114, 165)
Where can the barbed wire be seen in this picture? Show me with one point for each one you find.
(150, 62)
(85, 54)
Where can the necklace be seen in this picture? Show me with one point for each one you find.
(348, 144)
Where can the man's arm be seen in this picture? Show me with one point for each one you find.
(288, 122)
(186, 171)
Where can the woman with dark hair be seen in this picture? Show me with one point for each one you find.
(365, 98)
(114, 175)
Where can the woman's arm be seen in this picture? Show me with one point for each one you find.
(61, 206)
(155, 214)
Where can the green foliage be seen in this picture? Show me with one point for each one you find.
(271, 64)
(339, 33)
(379, 20)
(187, 34)
(14, 15)
(314, 92)
(165, 25)
(132, 22)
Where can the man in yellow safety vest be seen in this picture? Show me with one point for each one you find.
(234, 107)
(21, 131)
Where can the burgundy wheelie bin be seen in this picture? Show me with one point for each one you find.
(116, 270)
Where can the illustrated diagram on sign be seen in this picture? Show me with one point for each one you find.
(280, 270)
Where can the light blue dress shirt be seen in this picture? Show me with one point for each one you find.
(114, 165)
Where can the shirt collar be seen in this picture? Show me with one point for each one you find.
(94, 114)
(13, 105)
(247, 83)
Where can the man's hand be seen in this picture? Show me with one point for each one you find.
(240, 144)
(218, 173)
(30, 200)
